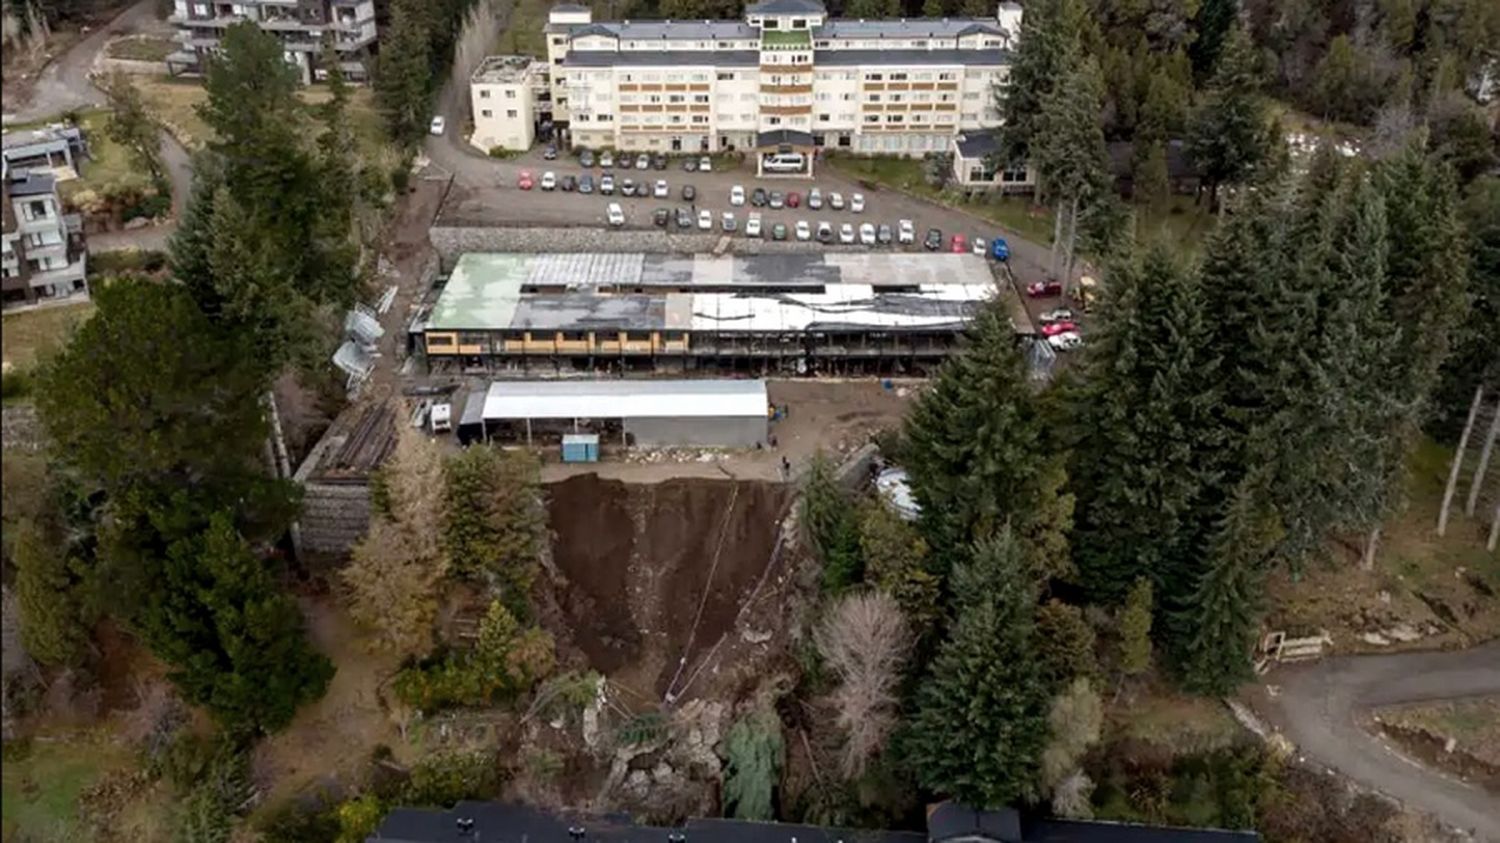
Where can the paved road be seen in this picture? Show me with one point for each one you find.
(1320, 705)
(63, 84)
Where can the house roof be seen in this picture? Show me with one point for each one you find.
(669, 30)
(906, 28)
(662, 58)
(624, 399)
(978, 144)
(786, 7)
(1179, 163)
(899, 58)
(30, 183)
(778, 137)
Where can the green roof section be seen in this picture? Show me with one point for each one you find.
(482, 292)
(785, 38)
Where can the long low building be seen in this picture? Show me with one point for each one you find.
(782, 313)
(667, 413)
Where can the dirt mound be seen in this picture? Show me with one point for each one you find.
(639, 561)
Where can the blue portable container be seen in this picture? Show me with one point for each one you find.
(580, 447)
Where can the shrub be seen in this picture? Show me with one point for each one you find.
(443, 780)
(505, 663)
(14, 384)
(128, 260)
(754, 752)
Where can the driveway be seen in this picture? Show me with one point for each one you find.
(1320, 707)
(63, 84)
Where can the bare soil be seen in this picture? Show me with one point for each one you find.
(654, 577)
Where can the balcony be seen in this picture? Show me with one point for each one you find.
(41, 222)
(64, 277)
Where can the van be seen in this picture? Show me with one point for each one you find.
(785, 162)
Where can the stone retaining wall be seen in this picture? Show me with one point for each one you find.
(453, 239)
(19, 428)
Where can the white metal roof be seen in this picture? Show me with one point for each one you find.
(625, 399)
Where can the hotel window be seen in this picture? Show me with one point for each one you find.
(511, 113)
(799, 23)
(919, 43)
(676, 98)
(485, 113)
(773, 121)
(821, 45)
(825, 117)
(874, 98)
(872, 118)
(847, 97)
(700, 118)
(945, 76)
(901, 77)
(700, 98)
(604, 118)
(510, 94)
(873, 77)
(484, 94)
(725, 77)
(893, 118)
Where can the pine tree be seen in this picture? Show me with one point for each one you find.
(754, 752)
(132, 126)
(1051, 32)
(981, 714)
(1071, 161)
(1227, 137)
(54, 625)
(1135, 629)
(1065, 644)
(404, 76)
(1151, 180)
(897, 562)
(830, 525)
(494, 523)
(1214, 21)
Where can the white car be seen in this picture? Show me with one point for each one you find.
(643, 162)
(660, 191)
(606, 159)
(1061, 314)
(737, 196)
(705, 219)
(804, 231)
(836, 201)
(705, 164)
(438, 124)
(549, 180)
(752, 226)
(867, 234)
(846, 233)
(906, 232)
(615, 214)
(1065, 341)
(857, 203)
(980, 247)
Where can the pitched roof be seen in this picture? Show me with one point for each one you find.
(661, 58)
(1179, 164)
(906, 28)
(978, 144)
(898, 58)
(786, 7)
(682, 30)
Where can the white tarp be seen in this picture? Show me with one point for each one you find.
(625, 399)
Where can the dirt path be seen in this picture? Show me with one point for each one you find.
(1320, 707)
(63, 85)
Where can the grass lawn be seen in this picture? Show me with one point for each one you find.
(142, 48)
(524, 35)
(26, 334)
(108, 164)
(42, 783)
(1162, 717)
(1474, 723)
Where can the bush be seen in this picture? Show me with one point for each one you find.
(505, 663)
(15, 384)
(400, 178)
(502, 152)
(128, 260)
(441, 781)
(149, 206)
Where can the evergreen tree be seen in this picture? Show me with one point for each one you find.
(54, 624)
(1135, 629)
(234, 641)
(1475, 357)
(1227, 136)
(1071, 161)
(1151, 180)
(133, 127)
(975, 455)
(872, 9)
(897, 562)
(754, 753)
(981, 714)
(1065, 644)
(494, 523)
(1214, 21)
(1051, 31)
(403, 77)
(830, 525)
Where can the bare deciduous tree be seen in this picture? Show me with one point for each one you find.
(415, 486)
(1076, 717)
(865, 640)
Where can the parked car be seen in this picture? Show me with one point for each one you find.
(906, 232)
(846, 234)
(758, 197)
(705, 219)
(690, 165)
(1055, 328)
(569, 183)
(643, 162)
(1057, 314)
(857, 203)
(550, 153)
(804, 231)
(689, 193)
(607, 184)
(660, 191)
(606, 160)
(836, 201)
(999, 249)
(705, 164)
(737, 196)
(661, 216)
(979, 247)
(934, 240)
(883, 235)
(659, 161)
(752, 226)
(777, 200)
(1066, 341)
(438, 123)
(825, 232)
(867, 234)
(616, 216)
(778, 231)
(525, 181)
(793, 199)
(585, 183)
(549, 180)
(1044, 289)
(627, 187)
(815, 199)
(684, 218)
(728, 222)
(959, 244)
(586, 158)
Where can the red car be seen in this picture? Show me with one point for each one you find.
(960, 244)
(525, 181)
(1055, 328)
(793, 199)
(1044, 289)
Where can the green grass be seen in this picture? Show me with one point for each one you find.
(524, 35)
(42, 783)
(28, 333)
(142, 48)
(109, 163)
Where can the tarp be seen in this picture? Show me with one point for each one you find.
(624, 399)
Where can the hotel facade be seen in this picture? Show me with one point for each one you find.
(784, 77)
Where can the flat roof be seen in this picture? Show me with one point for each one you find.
(662, 58)
(622, 399)
(483, 291)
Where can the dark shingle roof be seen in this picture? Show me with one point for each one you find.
(777, 137)
(786, 7)
(906, 28)
(30, 183)
(661, 58)
(1179, 163)
(835, 58)
(978, 144)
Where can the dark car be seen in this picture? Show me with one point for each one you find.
(758, 197)
(934, 240)
(825, 233)
(586, 158)
(883, 235)
(550, 153)
(585, 183)
(684, 218)
(793, 199)
(689, 193)
(777, 200)
(569, 183)
(690, 165)
(660, 216)
(659, 161)
(778, 231)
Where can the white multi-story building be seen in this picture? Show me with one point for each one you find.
(785, 76)
(301, 26)
(510, 96)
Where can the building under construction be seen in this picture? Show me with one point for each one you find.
(805, 313)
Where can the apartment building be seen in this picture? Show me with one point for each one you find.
(786, 75)
(41, 249)
(510, 97)
(300, 24)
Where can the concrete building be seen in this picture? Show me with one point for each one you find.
(511, 98)
(300, 24)
(974, 166)
(59, 148)
(41, 249)
(789, 314)
(896, 87)
(652, 414)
